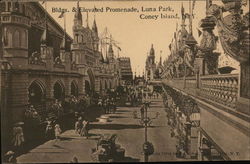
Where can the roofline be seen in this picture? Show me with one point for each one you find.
(52, 19)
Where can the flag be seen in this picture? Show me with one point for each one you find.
(199, 32)
(193, 4)
(62, 14)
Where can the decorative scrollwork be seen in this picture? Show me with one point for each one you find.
(233, 29)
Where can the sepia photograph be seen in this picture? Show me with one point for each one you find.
(103, 81)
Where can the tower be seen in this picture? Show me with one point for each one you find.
(96, 37)
(15, 35)
(78, 16)
(150, 64)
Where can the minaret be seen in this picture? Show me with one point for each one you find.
(78, 16)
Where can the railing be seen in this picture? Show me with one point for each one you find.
(222, 89)
(6, 18)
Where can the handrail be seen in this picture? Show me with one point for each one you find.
(221, 88)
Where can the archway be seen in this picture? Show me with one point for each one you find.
(36, 92)
(100, 86)
(87, 87)
(74, 89)
(37, 95)
(91, 79)
(110, 84)
(59, 92)
(106, 85)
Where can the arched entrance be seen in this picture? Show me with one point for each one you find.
(87, 87)
(110, 84)
(106, 85)
(74, 89)
(91, 79)
(36, 92)
(59, 91)
(37, 96)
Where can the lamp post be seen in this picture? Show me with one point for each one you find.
(146, 121)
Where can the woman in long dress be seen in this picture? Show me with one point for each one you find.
(57, 132)
(18, 137)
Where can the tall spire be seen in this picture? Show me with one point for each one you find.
(190, 19)
(160, 62)
(78, 16)
(183, 16)
(152, 51)
(94, 27)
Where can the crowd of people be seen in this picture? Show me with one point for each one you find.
(106, 104)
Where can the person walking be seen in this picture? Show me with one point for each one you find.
(49, 129)
(58, 132)
(78, 126)
(84, 131)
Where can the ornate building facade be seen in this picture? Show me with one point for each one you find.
(125, 70)
(212, 108)
(150, 66)
(45, 63)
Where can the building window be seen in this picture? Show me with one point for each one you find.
(76, 38)
(24, 12)
(16, 39)
(79, 39)
(24, 39)
(9, 6)
(9, 38)
(16, 6)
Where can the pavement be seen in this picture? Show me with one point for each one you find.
(130, 135)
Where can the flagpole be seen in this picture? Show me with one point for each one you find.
(45, 13)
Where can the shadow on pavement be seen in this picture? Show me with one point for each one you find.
(117, 117)
(115, 126)
(122, 111)
(66, 138)
(129, 159)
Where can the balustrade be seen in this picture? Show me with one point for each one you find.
(6, 18)
(220, 88)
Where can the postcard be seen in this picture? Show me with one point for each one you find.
(124, 81)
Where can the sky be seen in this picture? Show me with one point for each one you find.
(134, 35)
